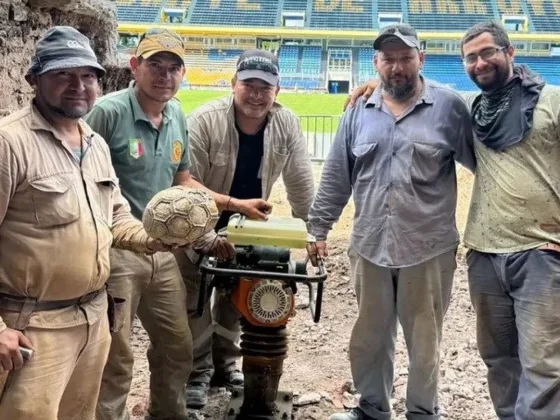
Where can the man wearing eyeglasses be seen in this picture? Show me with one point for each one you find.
(513, 228)
(146, 131)
(395, 154)
(240, 145)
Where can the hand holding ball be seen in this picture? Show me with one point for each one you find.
(178, 216)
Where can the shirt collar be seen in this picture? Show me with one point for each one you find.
(40, 123)
(138, 112)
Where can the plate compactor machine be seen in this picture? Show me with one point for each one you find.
(261, 281)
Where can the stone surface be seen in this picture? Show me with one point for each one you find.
(23, 22)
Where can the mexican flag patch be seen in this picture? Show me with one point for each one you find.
(135, 148)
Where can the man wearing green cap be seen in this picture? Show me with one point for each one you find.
(60, 211)
(147, 135)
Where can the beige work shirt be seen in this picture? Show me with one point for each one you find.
(214, 144)
(515, 203)
(56, 218)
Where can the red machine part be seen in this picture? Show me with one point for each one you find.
(263, 303)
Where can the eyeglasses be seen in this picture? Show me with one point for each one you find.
(486, 54)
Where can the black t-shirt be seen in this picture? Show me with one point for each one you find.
(246, 181)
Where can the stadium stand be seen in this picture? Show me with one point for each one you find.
(436, 15)
(389, 6)
(365, 64)
(341, 14)
(145, 11)
(447, 70)
(295, 6)
(289, 60)
(235, 12)
(545, 15)
(314, 66)
(178, 4)
(311, 61)
(548, 67)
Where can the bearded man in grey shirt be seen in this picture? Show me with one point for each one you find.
(396, 154)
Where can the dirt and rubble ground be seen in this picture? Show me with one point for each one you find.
(317, 368)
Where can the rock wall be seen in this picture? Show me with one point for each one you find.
(22, 22)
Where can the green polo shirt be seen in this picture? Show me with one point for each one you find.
(145, 158)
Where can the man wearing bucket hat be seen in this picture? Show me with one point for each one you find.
(60, 211)
(147, 135)
(240, 145)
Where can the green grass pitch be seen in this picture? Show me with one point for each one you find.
(302, 104)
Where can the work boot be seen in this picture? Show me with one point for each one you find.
(354, 414)
(197, 394)
(232, 379)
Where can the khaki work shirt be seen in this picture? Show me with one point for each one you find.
(515, 203)
(56, 218)
(214, 144)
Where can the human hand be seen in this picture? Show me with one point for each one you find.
(10, 342)
(155, 245)
(317, 251)
(364, 91)
(255, 208)
(214, 245)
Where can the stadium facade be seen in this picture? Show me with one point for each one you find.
(326, 45)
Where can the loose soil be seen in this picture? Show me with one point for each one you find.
(317, 367)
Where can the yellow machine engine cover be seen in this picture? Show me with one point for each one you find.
(285, 232)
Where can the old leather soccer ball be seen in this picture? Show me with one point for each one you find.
(179, 215)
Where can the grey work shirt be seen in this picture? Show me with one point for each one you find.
(401, 172)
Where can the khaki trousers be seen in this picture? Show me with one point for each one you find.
(418, 298)
(61, 381)
(155, 292)
(216, 334)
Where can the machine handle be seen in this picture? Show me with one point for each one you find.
(204, 291)
(313, 278)
(316, 302)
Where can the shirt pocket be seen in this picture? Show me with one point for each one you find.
(427, 163)
(55, 200)
(105, 189)
(280, 155)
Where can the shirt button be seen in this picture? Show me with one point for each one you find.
(394, 153)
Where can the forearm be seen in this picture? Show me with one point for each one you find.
(129, 234)
(332, 196)
(223, 202)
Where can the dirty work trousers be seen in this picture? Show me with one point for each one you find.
(417, 297)
(61, 381)
(155, 292)
(216, 334)
(516, 297)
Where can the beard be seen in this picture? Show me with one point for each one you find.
(500, 78)
(74, 113)
(400, 91)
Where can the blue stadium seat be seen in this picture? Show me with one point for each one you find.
(288, 59)
(547, 67)
(338, 14)
(295, 6)
(311, 61)
(448, 15)
(448, 70)
(235, 12)
(389, 6)
(545, 15)
(145, 11)
(365, 64)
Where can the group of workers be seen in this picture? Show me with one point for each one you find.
(77, 267)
